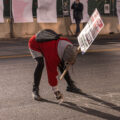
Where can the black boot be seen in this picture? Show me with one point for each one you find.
(71, 86)
(74, 89)
(36, 95)
(37, 78)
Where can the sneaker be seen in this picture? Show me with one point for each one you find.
(59, 96)
(73, 89)
(36, 96)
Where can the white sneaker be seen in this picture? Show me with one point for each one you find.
(59, 96)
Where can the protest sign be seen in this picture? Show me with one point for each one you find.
(90, 32)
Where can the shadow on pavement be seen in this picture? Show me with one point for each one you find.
(111, 105)
(89, 110)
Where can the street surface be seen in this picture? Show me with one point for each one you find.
(97, 74)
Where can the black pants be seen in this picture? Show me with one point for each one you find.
(39, 69)
(38, 72)
(77, 21)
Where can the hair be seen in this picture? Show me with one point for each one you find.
(70, 54)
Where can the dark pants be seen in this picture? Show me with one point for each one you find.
(39, 69)
(77, 21)
(38, 72)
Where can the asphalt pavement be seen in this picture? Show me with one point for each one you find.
(97, 74)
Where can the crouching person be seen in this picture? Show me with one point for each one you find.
(56, 51)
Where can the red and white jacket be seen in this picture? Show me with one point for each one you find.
(50, 52)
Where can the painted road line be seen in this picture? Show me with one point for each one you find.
(104, 50)
(89, 51)
(14, 56)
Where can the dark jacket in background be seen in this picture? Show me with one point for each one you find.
(77, 10)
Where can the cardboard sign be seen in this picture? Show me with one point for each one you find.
(90, 32)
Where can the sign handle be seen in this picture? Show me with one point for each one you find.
(64, 72)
